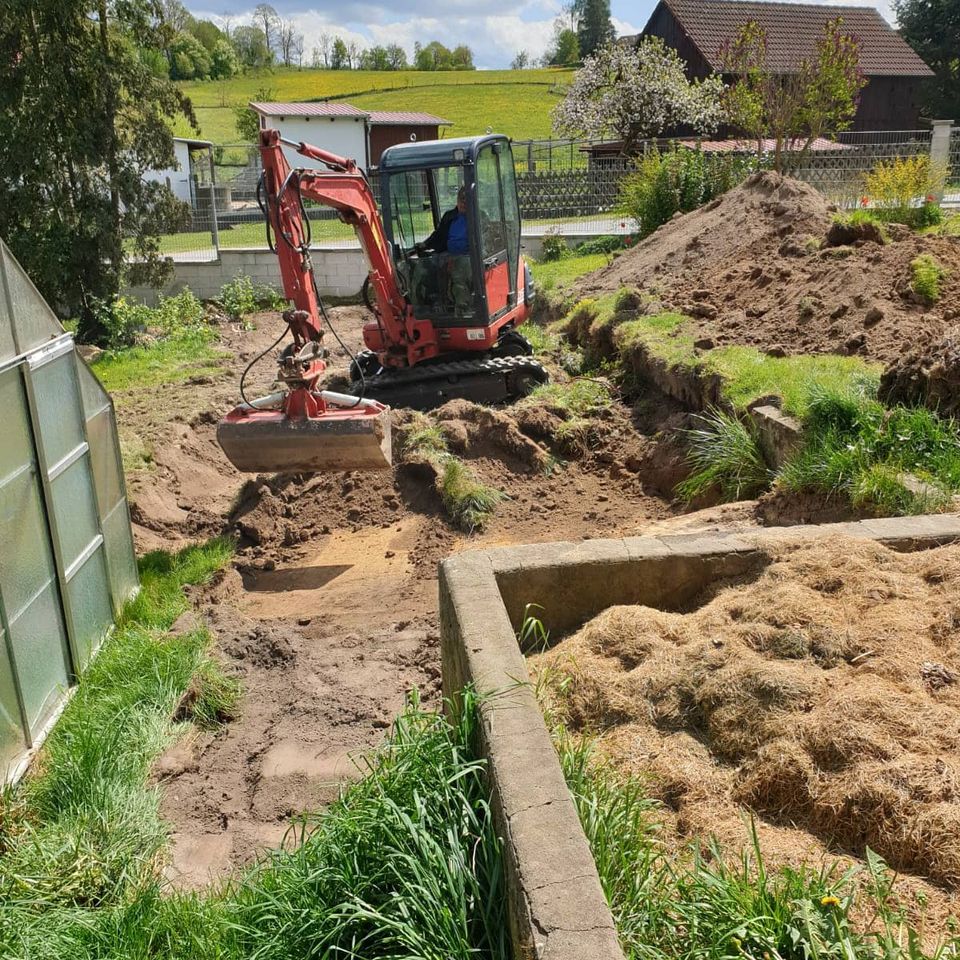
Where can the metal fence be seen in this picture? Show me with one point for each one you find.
(568, 186)
(67, 562)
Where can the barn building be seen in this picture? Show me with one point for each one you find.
(346, 130)
(698, 29)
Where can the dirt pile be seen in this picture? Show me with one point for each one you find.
(824, 696)
(929, 374)
(765, 266)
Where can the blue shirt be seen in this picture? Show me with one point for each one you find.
(457, 235)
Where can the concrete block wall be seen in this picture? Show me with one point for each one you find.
(340, 272)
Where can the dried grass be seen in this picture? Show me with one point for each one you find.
(802, 695)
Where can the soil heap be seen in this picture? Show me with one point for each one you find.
(764, 265)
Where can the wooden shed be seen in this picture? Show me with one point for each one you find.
(698, 29)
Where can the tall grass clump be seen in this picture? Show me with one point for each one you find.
(406, 863)
(725, 456)
(859, 449)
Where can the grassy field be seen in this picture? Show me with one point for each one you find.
(514, 102)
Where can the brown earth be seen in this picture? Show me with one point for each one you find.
(756, 267)
(821, 695)
(329, 612)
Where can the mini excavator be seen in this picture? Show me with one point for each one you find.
(444, 325)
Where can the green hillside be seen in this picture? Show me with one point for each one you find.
(514, 102)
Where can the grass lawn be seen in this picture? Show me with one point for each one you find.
(168, 360)
(555, 274)
(514, 102)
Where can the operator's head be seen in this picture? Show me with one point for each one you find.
(462, 199)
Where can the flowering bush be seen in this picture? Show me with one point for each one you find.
(633, 93)
(896, 186)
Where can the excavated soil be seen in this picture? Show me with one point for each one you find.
(764, 266)
(820, 695)
(328, 614)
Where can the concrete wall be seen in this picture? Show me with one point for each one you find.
(340, 273)
(555, 905)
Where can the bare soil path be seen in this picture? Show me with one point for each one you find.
(329, 613)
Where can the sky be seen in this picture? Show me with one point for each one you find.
(495, 32)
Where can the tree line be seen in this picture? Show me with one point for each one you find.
(192, 49)
(583, 28)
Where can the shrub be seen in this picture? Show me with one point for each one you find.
(606, 244)
(237, 296)
(896, 184)
(726, 456)
(679, 180)
(125, 320)
(926, 274)
(554, 247)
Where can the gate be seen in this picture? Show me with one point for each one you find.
(67, 563)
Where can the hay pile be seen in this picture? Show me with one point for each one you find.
(823, 696)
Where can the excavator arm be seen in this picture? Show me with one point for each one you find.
(345, 189)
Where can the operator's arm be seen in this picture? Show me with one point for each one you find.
(438, 239)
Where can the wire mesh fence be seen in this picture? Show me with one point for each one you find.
(565, 186)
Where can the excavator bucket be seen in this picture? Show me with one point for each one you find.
(342, 438)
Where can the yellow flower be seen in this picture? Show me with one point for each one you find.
(830, 902)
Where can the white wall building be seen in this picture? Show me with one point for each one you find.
(178, 177)
(337, 127)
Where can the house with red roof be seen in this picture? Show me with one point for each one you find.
(698, 30)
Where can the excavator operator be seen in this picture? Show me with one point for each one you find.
(450, 244)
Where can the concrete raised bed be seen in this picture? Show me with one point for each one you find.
(556, 907)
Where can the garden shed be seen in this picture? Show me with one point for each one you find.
(67, 563)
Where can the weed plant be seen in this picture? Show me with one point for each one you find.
(926, 275)
(241, 296)
(725, 456)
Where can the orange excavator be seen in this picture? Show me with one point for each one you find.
(445, 315)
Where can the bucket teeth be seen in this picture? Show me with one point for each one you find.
(266, 441)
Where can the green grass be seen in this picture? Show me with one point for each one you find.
(555, 274)
(467, 501)
(725, 455)
(167, 360)
(580, 397)
(407, 863)
(857, 448)
(84, 830)
(514, 102)
(726, 905)
(926, 276)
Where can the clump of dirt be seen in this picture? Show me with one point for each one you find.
(765, 265)
(822, 695)
(927, 375)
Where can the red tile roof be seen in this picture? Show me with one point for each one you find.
(324, 108)
(792, 32)
(399, 117)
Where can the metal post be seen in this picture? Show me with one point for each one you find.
(940, 148)
(214, 230)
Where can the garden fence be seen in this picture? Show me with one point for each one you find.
(67, 563)
(566, 186)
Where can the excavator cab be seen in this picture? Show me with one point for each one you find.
(459, 291)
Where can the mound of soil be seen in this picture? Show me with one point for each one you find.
(928, 375)
(764, 265)
(823, 696)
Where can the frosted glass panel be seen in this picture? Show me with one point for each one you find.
(16, 439)
(12, 740)
(95, 398)
(121, 559)
(58, 410)
(106, 474)
(34, 321)
(74, 510)
(26, 560)
(89, 601)
(39, 644)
